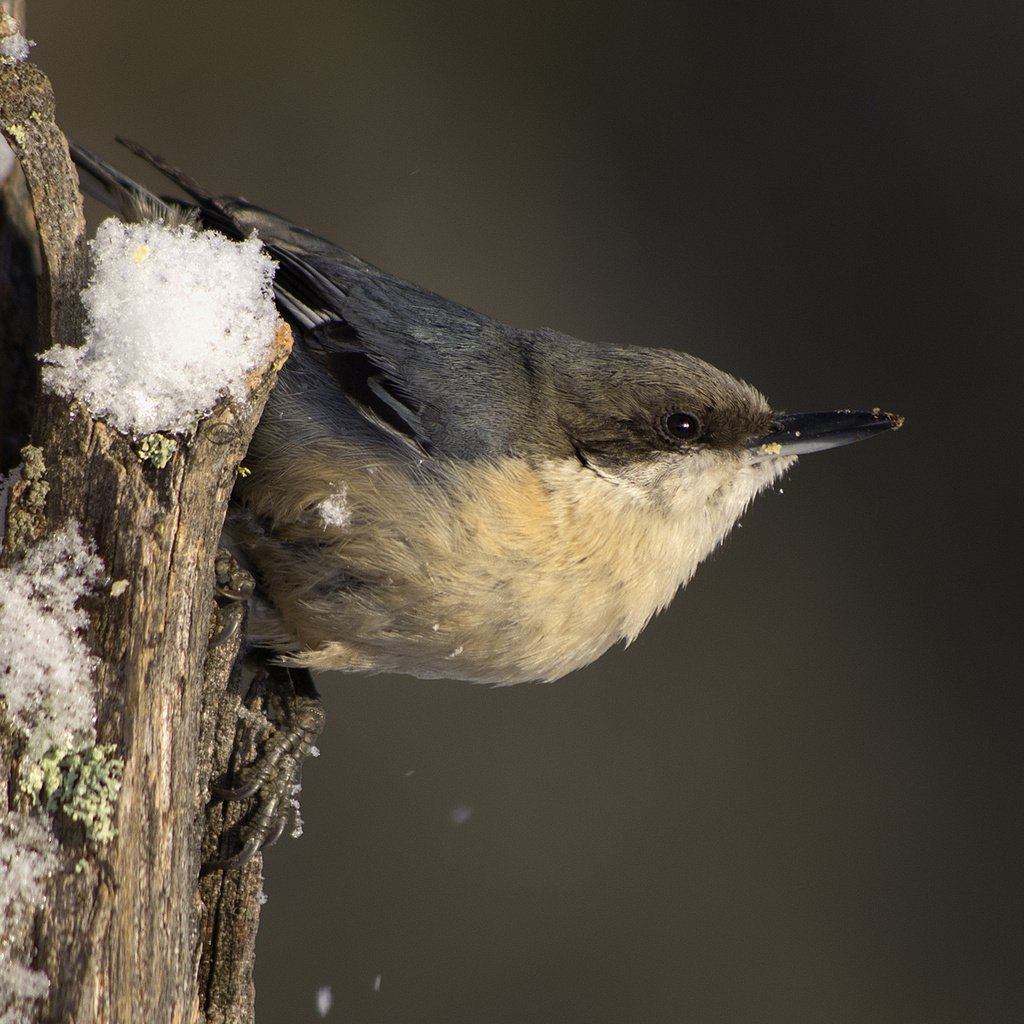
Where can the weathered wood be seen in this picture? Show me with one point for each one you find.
(125, 934)
(230, 899)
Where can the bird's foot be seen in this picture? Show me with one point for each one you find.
(274, 778)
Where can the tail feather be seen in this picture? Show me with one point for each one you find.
(184, 181)
(127, 198)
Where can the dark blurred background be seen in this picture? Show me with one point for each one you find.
(797, 798)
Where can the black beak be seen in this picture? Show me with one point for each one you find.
(799, 433)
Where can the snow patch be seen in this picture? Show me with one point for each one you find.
(175, 319)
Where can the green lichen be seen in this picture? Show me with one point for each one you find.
(157, 449)
(33, 467)
(82, 784)
(26, 515)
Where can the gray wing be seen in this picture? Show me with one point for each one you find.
(439, 375)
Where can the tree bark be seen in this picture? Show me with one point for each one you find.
(130, 928)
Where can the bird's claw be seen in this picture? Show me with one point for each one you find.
(274, 778)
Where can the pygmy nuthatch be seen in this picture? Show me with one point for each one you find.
(437, 493)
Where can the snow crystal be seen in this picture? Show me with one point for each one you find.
(14, 48)
(460, 815)
(28, 855)
(175, 318)
(324, 1000)
(335, 510)
(45, 667)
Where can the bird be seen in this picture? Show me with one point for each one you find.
(430, 491)
(436, 493)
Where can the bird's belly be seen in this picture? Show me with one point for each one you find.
(504, 581)
(498, 572)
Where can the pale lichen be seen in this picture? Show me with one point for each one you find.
(81, 784)
(157, 449)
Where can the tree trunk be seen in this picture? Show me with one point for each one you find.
(128, 928)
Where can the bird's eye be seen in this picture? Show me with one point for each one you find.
(681, 426)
